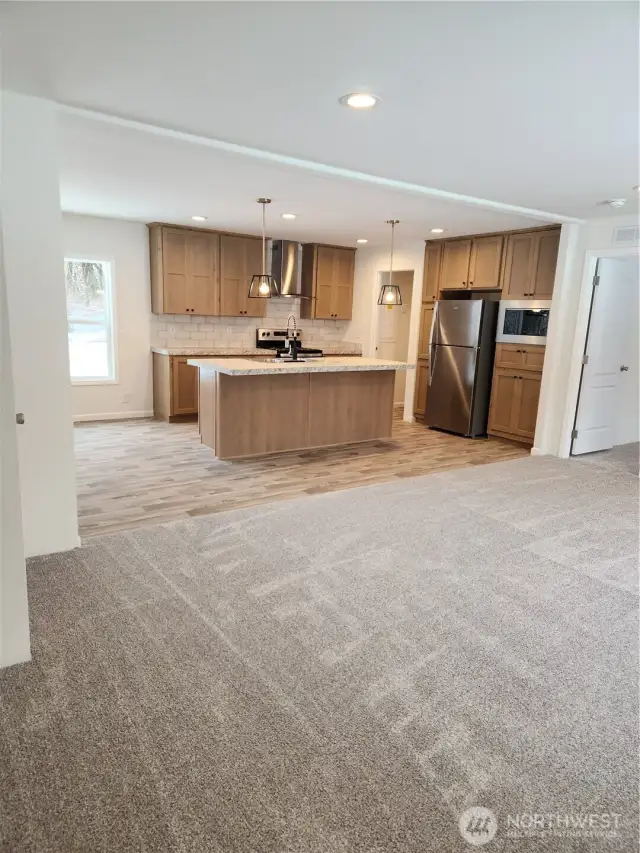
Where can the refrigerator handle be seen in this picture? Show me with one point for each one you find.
(432, 346)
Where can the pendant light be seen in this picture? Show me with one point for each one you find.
(390, 293)
(263, 286)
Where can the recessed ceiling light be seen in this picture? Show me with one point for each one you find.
(362, 240)
(437, 230)
(637, 189)
(359, 101)
(199, 218)
(289, 215)
(617, 202)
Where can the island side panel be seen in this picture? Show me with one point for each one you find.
(261, 414)
(349, 407)
(207, 406)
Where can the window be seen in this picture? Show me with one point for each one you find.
(90, 316)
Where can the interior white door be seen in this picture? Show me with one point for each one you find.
(393, 334)
(627, 427)
(595, 423)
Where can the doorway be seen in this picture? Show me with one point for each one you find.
(393, 322)
(607, 410)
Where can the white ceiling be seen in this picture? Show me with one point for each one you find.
(528, 103)
(108, 170)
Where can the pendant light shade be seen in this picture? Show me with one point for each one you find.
(263, 286)
(390, 293)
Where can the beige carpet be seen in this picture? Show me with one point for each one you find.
(343, 673)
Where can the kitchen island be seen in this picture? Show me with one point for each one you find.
(249, 407)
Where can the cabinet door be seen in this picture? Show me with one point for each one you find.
(344, 267)
(184, 387)
(426, 319)
(526, 407)
(175, 278)
(455, 264)
(253, 264)
(422, 384)
(432, 258)
(505, 392)
(519, 266)
(202, 264)
(324, 283)
(546, 260)
(484, 266)
(240, 258)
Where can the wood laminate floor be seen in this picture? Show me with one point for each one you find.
(136, 473)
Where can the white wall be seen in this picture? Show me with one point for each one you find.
(580, 247)
(126, 246)
(369, 263)
(32, 240)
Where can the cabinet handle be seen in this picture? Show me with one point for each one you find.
(470, 284)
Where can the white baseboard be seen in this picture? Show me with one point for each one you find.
(112, 416)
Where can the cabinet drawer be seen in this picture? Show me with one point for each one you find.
(520, 357)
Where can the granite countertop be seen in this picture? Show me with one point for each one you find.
(238, 352)
(332, 364)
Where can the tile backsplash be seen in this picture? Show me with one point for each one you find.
(181, 330)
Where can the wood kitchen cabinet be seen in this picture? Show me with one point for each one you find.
(422, 385)
(472, 264)
(454, 271)
(530, 265)
(184, 271)
(520, 356)
(431, 275)
(240, 258)
(327, 282)
(484, 263)
(175, 387)
(516, 391)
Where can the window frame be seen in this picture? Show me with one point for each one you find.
(112, 338)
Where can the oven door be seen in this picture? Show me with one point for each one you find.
(523, 321)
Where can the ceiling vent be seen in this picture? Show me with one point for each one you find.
(626, 236)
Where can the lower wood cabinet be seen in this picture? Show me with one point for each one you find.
(175, 387)
(515, 392)
(422, 384)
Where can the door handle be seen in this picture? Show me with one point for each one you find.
(624, 367)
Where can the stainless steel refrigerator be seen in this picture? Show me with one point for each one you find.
(461, 353)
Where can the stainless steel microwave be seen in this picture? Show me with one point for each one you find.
(523, 321)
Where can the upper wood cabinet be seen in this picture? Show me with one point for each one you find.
(530, 265)
(431, 276)
(547, 244)
(184, 271)
(473, 263)
(240, 258)
(484, 264)
(454, 272)
(327, 282)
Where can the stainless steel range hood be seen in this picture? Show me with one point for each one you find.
(285, 267)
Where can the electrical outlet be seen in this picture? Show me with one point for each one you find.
(126, 398)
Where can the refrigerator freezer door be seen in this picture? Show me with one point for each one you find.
(450, 397)
(458, 322)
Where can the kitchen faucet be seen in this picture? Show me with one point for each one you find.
(292, 341)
